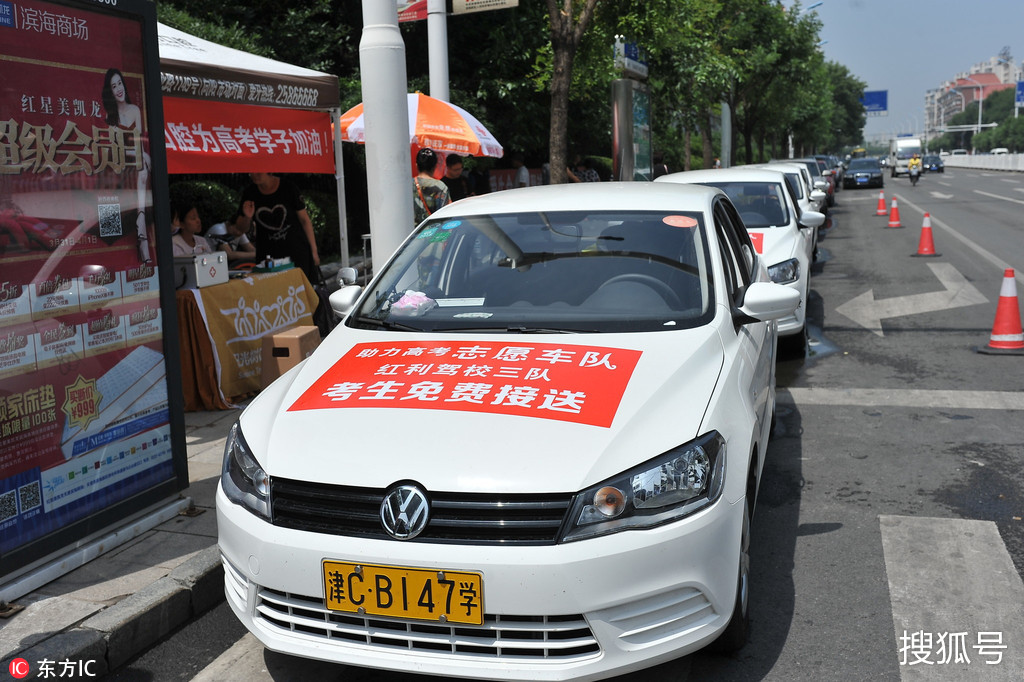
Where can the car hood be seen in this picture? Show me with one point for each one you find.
(655, 399)
(775, 244)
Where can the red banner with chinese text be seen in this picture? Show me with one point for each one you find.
(219, 137)
(581, 384)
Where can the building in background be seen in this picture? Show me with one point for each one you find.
(980, 81)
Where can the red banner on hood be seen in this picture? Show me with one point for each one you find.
(581, 384)
(219, 137)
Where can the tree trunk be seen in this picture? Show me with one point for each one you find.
(686, 149)
(567, 28)
(705, 138)
(558, 135)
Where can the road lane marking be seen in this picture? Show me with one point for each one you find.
(956, 292)
(990, 257)
(949, 576)
(996, 196)
(903, 397)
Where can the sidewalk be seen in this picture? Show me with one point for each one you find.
(120, 603)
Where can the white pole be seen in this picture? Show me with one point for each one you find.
(386, 113)
(339, 181)
(437, 48)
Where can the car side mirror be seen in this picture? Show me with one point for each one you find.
(821, 184)
(818, 195)
(764, 301)
(344, 299)
(812, 219)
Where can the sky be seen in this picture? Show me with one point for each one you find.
(910, 46)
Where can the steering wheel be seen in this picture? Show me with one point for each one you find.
(664, 290)
(753, 218)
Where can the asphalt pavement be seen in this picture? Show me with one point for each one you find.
(106, 611)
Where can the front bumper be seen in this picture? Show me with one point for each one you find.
(583, 610)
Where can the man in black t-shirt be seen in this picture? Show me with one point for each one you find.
(458, 183)
(279, 225)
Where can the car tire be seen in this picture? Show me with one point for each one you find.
(735, 635)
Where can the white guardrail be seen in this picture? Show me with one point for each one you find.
(997, 162)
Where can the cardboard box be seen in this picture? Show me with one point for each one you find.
(284, 350)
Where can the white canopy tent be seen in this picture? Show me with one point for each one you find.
(236, 84)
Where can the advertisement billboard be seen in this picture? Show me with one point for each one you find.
(87, 434)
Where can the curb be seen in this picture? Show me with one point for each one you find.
(119, 632)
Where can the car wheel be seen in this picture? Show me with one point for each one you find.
(734, 637)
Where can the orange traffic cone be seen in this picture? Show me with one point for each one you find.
(881, 203)
(894, 214)
(926, 247)
(1007, 337)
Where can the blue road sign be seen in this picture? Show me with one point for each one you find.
(876, 102)
(1019, 100)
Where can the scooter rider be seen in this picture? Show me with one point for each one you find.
(914, 168)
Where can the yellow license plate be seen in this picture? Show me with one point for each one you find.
(401, 592)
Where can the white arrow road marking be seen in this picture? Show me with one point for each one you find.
(954, 592)
(940, 195)
(958, 292)
(996, 196)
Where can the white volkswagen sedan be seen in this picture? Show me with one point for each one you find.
(530, 451)
(780, 232)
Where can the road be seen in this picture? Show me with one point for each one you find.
(888, 542)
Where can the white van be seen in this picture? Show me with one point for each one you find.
(1000, 150)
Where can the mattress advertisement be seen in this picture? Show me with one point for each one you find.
(84, 409)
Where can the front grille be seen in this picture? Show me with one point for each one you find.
(500, 637)
(454, 518)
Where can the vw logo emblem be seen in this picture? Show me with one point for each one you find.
(404, 512)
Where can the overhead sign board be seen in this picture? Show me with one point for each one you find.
(876, 102)
(1019, 99)
(416, 10)
(466, 6)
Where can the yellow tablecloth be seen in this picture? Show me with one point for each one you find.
(221, 330)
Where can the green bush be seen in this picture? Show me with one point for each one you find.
(214, 201)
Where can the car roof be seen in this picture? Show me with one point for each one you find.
(735, 174)
(597, 196)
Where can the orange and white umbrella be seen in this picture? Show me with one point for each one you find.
(433, 123)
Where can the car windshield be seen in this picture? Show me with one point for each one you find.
(931, 159)
(760, 204)
(864, 165)
(571, 271)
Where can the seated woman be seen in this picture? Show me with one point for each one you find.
(187, 226)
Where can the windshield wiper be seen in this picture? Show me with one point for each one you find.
(387, 324)
(514, 329)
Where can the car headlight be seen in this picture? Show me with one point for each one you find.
(675, 484)
(786, 272)
(243, 479)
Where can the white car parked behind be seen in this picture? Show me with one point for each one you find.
(781, 234)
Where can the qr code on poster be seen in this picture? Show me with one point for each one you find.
(29, 496)
(110, 220)
(8, 506)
